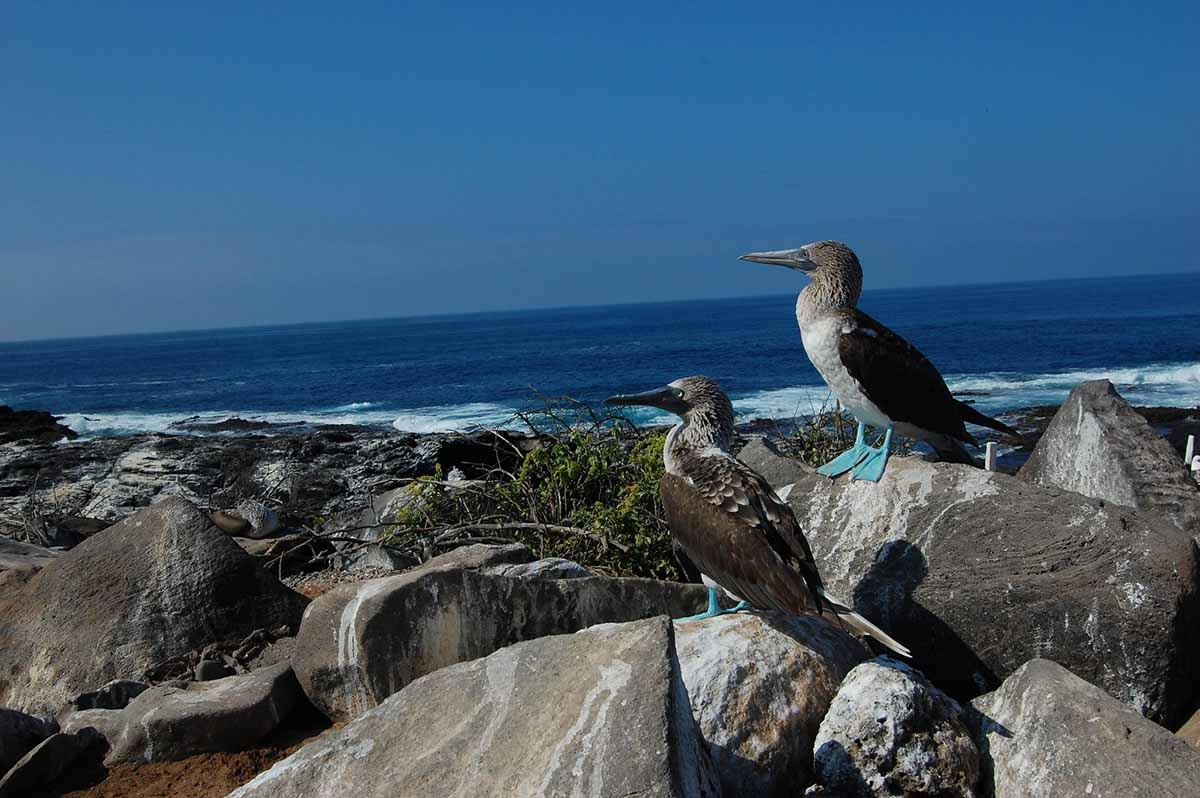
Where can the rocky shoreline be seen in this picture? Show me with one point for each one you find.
(157, 642)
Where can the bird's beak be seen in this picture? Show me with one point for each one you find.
(791, 258)
(663, 398)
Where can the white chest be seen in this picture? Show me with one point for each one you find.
(820, 334)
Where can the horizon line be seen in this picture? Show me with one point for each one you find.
(582, 306)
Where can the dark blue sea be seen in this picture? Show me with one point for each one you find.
(1005, 346)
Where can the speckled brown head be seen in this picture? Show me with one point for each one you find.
(699, 401)
(834, 268)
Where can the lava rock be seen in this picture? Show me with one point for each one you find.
(160, 584)
(31, 425)
(548, 568)
(1098, 445)
(779, 471)
(1046, 732)
(360, 643)
(601, 713)
(978, 572)
(115, 695)
(759, 686)
(15, 555)
(19, 734)
(889, 732)
(48, 761)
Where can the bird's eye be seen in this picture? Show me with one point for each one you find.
(679, 393)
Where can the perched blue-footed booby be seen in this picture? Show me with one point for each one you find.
(728, 521)
(881, 379)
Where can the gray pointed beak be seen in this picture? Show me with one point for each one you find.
(791, 258)
(663, 398)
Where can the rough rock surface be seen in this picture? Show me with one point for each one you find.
(16, 555)
(1098, 445)
(759, 686)
(19, 733)
(157, 585)
(548, 568)
(50, 759)
(1046, 732)
(31, 425)
(779, 471)
(979, 572)
(359, 644)
(166, 723)
(1190, 731)
(890, 732)
(601, 713)
(115, 695)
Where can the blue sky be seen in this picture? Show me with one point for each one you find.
(170, 166)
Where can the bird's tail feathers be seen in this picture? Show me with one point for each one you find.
(950, 450)
(861, 625)
(972, 416)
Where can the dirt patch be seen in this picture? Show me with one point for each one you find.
(204, 776)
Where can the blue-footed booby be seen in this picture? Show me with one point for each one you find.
(741, 536)
(881, 379)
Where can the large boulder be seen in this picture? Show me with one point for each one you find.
(890, 732)
(978, 572)
(1046, 732)
(360, 643)
(19, 733)
(15, 555)
(601, 713)
(49, 760)
(759, 686)
(1098, 445)
(168, 722)
(160, 584)
(779, 471)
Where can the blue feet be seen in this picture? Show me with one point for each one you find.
(849, 458)
(714, 609)
(872, 466)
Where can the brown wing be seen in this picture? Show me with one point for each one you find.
(899, 379)
(732, 525)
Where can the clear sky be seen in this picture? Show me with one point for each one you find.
(177, 165)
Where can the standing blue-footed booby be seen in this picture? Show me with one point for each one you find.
(881, 379)
(729, 522)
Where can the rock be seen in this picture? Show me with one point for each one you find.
(50, 759)
(250, 519)
(31, 425)
(159, 584)
(115, 695)
(15, 555)
(360, 643)
(211, 669)
(779, 471)
(890, 732)
(601, 713)
(1098, 445)
(166, 723)
(1190, 731)
(1046, 732)
(759, 686)
(548, 568)
(19, 733)
(978, 572)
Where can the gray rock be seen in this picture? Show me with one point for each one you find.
(889, 732)
(1098, 445)
(14, 555)
(158, 585)
(251, 518)
(48, 761)
(208, 670)
(601, 713)
(19, 733)
(167, 723)
(1190, 731)
(360, 643)
(978, 572)
(115, 695)
(1046, 732)
(548, 568)
(779, 471)
(759, 686)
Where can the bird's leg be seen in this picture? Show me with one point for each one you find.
(714, 608)
(849, 458)
(872, 466)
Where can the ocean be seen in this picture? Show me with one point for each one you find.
(1004, 346)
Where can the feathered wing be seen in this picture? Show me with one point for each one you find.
(734, 528)
(899, 379)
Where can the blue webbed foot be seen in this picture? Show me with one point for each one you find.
(849, 458)
(872, 466)
(714, 608)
